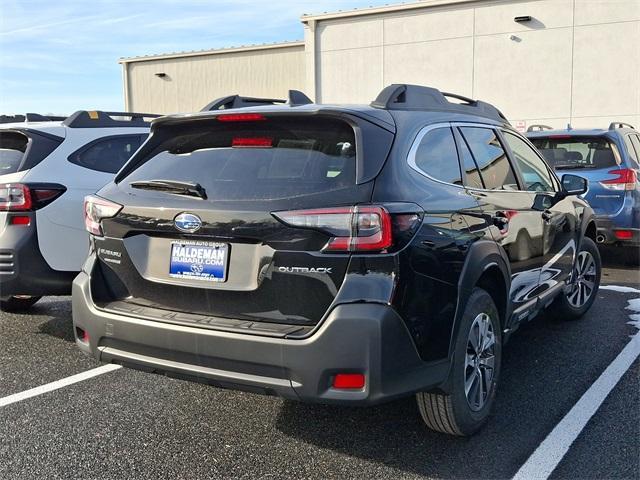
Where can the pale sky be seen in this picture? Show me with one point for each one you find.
(60, 56)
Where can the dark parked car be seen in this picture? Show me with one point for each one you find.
(335, 254)
(609, 159)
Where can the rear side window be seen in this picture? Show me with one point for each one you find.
(13, 146)
(472, 176)
(490, 157)
(107, 154)
(268, 159)
(21, 150)
(570, 152)
(635, 142)
(436, 155)
(532, 169)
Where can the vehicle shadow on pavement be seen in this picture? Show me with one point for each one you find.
(543, 375)
(59, 323)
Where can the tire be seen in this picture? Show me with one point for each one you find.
(574, 304)
(18, 303)
(454, 413)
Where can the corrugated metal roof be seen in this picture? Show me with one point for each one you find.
(386, 8)
(217, 51)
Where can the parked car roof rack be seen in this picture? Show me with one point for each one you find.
(539, 128)
(236, 101)
(614, 125)
(417, 97)
(30, 117)
(97, 118)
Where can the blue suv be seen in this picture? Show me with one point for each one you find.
(609, 159)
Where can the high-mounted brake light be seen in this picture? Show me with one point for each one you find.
(626, 179)
(362, 228)
(22, 197)
(240, 117)
(95, 210)
(252, 142)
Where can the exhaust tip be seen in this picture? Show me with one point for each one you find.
(600, 238)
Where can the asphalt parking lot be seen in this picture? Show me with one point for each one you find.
(128, 424)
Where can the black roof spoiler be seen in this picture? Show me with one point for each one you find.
(539, 128)
(417, 97)
(236, 101)
(615, 125)
(99, 119)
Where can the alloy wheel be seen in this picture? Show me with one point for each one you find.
(479, 366)
(584, 280)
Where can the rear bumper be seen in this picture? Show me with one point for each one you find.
(23, 269)
(355, 338)
(607, 229)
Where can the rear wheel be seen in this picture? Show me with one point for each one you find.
(18, 303)
(584, 284)
(476, 368)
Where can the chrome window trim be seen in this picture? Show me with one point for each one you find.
(411, 156)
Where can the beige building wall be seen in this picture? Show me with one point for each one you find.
(193, 80)
(577, 61)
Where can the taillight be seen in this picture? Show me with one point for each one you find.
(354, 229)
(626, 179)
(21, 197)
(95, 210)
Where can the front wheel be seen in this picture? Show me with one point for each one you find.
(585, 281)
(475, 372)
(18, 303)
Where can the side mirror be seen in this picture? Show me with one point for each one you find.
(574, 185)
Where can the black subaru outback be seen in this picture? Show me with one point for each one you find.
(335, 254)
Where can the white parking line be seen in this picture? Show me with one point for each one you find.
(551, 451)
(49, 387)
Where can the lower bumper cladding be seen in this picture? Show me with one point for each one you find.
(361, 354)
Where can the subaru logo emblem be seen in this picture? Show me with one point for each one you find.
(187, 222)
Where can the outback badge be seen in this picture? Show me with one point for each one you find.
(187, 222)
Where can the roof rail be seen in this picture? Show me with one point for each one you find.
(30, 117)
(36, 117)
(614, 125)
(417, 97)
(99, 119)
(236, 101)
(532, 128)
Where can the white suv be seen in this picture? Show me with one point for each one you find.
(46, 169)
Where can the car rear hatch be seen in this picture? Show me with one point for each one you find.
(594, 157)
(228, 220)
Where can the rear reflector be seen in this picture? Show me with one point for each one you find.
(623, 234)
(361, 228)
(22, 220)
(254, 142)
(240, 117)
(626, 179)
(349, 381)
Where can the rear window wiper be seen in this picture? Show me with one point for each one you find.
(172, 186)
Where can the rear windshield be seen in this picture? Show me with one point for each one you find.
(265, 159)
(12, 148)
(578, 152)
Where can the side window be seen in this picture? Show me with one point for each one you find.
(635, 141)
(437, 156)
(488, 153)
(107, 154)
(471, 171)
(532, 169)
